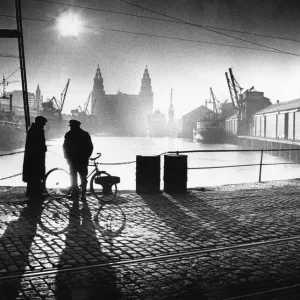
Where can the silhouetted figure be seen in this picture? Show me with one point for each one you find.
(34, 158)
(78, 148)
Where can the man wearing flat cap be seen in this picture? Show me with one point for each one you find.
(78, 148)
(34, 158)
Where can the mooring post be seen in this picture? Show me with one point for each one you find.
(260, 165)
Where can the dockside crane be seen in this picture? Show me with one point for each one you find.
(235, 91)
(215, 101)
(58, 103)
(4, 84)
(86, 105)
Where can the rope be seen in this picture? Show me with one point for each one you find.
(11, 176)
(12, 153)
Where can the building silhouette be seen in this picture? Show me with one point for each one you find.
(122, 114)
(171, 109)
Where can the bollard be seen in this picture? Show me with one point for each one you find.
(147, 174)
(175, 173)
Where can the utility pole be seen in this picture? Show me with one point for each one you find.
(18, 34)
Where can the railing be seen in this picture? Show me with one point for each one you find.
(261, 164)
(11, 124)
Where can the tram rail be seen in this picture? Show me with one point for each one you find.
(265, 292)
(177, 255)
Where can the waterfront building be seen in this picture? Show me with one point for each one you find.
(157, 124)
(278, 121)
(122, 114)
(240, 122)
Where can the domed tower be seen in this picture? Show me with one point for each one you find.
(98, 93)
(38, 98)
(146, 94)
(171, 108)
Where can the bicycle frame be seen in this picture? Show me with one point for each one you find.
(95, 165)
(105, 189)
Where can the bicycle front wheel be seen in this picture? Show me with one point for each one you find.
(103, 186)
(57, 183)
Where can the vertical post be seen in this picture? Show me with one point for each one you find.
(22, 63)
(10, 102)
(260, 165)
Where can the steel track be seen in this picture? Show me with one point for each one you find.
(148, 259)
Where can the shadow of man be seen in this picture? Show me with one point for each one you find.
(16, 243)
(82, 249)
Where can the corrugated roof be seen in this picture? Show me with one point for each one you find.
(282, 106)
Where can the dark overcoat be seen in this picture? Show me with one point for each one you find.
(35, 151)
(78, 146)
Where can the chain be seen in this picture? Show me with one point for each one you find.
(12, 153)
(127, 162)
(121, 163)
(105, 164)
(11, 176)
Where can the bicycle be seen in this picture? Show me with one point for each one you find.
(103, 186)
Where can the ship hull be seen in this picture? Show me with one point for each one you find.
(210, 135)
(11, 137)
(209, 131)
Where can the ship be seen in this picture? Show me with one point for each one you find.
(210, 126)
(12, 132)
(12, 127)
(209, 129)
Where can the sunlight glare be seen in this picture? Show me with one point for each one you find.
(69, 24)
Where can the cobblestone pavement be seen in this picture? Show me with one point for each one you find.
(211, 243)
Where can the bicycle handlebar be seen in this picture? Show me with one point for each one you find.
(93, 159)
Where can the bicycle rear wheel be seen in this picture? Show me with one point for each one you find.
(57, 183)
(103, 186)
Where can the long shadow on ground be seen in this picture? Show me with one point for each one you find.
(92, 284)
(15, 244)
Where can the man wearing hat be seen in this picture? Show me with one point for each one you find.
(34, 158)
(78, 148)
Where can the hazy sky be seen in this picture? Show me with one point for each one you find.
(190, 68)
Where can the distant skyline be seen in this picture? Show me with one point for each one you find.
(189, 68)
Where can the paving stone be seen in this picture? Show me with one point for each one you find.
(160, 225)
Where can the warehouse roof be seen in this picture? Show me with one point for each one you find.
(282, 106)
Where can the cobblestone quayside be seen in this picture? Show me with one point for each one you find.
(228, 242)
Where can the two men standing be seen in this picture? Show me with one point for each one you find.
(77, 147)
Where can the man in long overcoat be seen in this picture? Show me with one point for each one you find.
(34, 158)
(78, 148)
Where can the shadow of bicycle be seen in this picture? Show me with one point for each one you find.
(55, 215)
(110, 220)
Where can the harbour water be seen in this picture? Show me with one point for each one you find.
(119, 150)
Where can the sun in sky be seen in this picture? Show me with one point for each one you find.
(69, 24)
